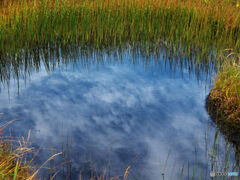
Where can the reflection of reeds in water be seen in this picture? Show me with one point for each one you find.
(58, 56)
(217, 159)
(220, 160)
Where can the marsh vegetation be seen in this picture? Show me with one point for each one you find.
(186, 41)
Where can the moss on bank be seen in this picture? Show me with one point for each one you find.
(223, 102)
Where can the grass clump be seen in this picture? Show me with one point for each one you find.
(15, 155)
(223, 102)
(12, 163)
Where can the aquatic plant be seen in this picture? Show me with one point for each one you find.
(192, 30)
(191, 24)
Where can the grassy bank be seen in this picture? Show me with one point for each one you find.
(223, 102)
(193, 25)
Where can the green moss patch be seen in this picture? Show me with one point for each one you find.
(223, 102)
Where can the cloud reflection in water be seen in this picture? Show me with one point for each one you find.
(119, 110)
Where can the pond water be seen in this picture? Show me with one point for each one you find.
(112, 111)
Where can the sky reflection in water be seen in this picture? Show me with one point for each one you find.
(117, 113)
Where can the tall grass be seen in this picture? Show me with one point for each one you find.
(191, 24)
(190, 29)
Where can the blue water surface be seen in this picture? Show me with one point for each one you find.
(111, 114)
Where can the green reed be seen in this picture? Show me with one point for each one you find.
(113, 23)
(195, 30)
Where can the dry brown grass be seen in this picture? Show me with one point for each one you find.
(13, 161)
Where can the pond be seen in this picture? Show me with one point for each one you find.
(110, 110)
